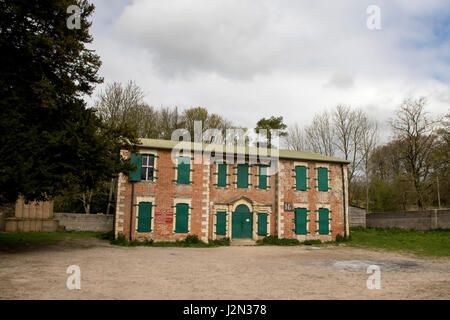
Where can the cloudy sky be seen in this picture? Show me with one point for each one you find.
(247, 59)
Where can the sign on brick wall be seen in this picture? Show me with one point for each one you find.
(164, 216)
(288, 206)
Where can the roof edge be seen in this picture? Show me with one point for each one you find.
(282, 154)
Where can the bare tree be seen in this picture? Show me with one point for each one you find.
(416, 130)
(168, 120)
(295, 139)
(320, 134)
(348, 127)
(369, 137)
(120, 106)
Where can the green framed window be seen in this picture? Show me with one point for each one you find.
(148, 167)
(136, 161)
(242, 175)
(324, 221)
(301, 221)
(144, 217)
(262, 177)
(145, 167)
(322, 178)
(221, 225)
(184, 170)
(262, 224)
(181, 218)
(301, 179)
(222, 175)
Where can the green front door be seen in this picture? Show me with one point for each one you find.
(242, 223)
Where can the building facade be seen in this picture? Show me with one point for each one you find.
(172, 194)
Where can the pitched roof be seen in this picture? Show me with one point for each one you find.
(283, 154)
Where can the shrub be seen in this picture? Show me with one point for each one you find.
(275, 241)
(120, 241)
(219, 242)
(192, 239)
(107, 235)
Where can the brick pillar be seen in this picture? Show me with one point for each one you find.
(120, 205)
(205, 201)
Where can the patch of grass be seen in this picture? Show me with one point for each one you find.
(11, 241)
(106, 235)
(422, 243)
(275, 241)
(219, 242)
(191, 241)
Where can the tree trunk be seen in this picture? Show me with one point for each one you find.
(86, 199)
(111, 189)
(367, 193)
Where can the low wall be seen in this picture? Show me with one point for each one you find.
(416, 220)
(356, 217)
(85, 222)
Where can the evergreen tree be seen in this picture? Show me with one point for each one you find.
(49, 141)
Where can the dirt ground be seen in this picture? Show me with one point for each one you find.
(112, 272)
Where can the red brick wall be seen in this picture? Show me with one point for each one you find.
(205, 197)
(314, 199)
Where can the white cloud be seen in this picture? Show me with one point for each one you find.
(250, 59)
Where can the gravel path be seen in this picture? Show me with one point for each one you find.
(112, 272)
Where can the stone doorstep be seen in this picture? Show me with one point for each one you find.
(242, 242)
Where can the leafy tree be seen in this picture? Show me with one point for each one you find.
(208, 121)
(49, 141)
(273, 123)
(417, 130)
(440, 166)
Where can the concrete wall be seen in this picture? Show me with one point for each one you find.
(85, 222)
(357, 217)
(417, 220)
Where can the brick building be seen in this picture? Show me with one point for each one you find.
(299, 195)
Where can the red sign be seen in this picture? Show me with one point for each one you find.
(163, 216)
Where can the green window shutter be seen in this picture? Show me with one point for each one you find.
(136, 160)
(221, 226)
(242, 175)
(300, 178)
(323, 179)
(301, 220)
(184, 170)
(144, 217)
(222, 175)
(262, 224)
(262, 183)
(182, 218)
(324, 221)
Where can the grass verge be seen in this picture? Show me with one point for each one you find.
(422, 243)
(191, 241)
(11, 241)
